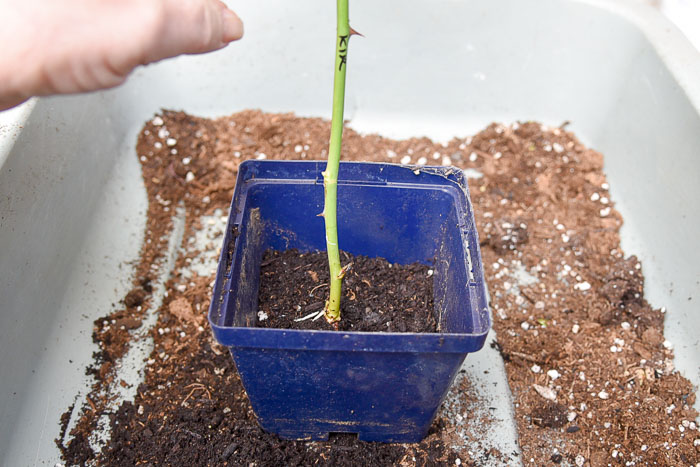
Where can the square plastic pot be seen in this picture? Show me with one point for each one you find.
(383, 386)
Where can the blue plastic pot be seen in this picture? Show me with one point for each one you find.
(383, 386)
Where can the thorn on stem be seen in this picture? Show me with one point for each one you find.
(355, 33)
(344, 270)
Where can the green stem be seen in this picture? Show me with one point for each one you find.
(330, 176)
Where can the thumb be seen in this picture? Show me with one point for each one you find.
(232, 25)
(193, 27)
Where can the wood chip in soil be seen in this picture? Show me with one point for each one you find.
(590, 371)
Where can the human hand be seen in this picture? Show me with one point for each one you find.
(71, 46)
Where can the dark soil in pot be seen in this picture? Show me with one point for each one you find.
(377, 296)
(590, 371)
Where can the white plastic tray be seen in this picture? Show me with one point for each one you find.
(72, 203)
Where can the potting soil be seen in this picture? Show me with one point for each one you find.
(590, 371)
(377, 296)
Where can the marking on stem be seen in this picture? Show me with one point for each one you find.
(343, 50)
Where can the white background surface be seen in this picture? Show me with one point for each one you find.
(72, 201)
(685, 14)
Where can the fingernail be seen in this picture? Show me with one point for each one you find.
(233, 26)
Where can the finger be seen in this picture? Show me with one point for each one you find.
(193, 27)
(232, 25)
(84, 45)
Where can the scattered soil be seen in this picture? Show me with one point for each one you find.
(590, 371)
(377, 296)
